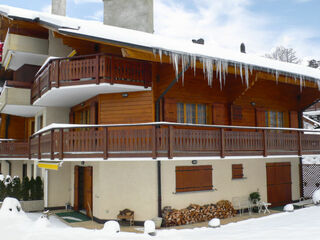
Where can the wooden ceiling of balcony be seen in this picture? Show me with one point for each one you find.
(22, 28)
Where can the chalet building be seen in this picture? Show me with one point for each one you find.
(114, 118)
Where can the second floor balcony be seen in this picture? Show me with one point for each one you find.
(98, 73)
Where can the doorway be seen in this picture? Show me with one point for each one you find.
(83, 189)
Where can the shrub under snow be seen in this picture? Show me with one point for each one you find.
(11, 207)
(111, 227)
(149, 227)
(215, 222)
(288, 208)
(316, 197)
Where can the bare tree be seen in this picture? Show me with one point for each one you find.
(284, 54)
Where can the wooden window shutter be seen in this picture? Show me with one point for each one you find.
(260, 117)
(170, 110)
(294, 119)
(236, 112)
(219, 114)
(193, 178)
(237, 171)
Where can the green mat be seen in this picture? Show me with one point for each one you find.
(72, 217)
(280, 208)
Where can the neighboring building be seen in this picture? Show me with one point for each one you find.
(226, 123)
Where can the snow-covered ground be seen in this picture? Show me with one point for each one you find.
(301, 224)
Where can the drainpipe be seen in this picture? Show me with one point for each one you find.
(6, 134)
(158, 120)
(46, 186)
(300, 125)
(10, 166)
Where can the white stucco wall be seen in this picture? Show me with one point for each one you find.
(53, 115)
(56, 46)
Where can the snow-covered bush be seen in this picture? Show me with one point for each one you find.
(111, 227)
(316, 197)
(215, 222)
(11, 207)
(288, 208)
(149, 227)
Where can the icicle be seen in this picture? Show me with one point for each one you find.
(154, 52)
(194, 64)
(209, 69)
(235, 70)
(301, 83)
(241, 73)
(225, 71)
(160, 55)
(277, 77)
(251, 69)
(247, 74)
(184, 62)
(219, 69)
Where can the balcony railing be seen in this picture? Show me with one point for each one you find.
(13, 149)
(169, 140)
(90, 69)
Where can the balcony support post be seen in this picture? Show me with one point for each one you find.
(154, 142)
(299, 143)
(97, 69)
(39, 146)
(111, 71)
(52, 144)
(61, 144)
(222, 139)
(265, 145)
(106, 143)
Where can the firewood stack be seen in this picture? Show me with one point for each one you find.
(126, 213)
(196, 213)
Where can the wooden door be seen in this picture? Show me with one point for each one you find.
(76, 188)
(88, 190)
(279, 183)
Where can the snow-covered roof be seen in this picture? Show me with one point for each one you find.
(163, 45)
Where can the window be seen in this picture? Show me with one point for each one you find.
(191, 113)
(237, 171)
(193, 178)
(274, 119)
(40, 122)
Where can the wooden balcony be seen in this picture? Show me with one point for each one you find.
(168, 140)
(13, 149)
(90, 69)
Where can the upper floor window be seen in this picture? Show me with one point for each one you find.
(191, 113)
(274, 119)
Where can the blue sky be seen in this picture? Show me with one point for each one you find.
(260, 24)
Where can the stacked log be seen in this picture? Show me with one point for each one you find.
(195, 213)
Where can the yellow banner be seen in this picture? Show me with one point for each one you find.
(51, 166)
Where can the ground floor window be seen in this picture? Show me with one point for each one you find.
(193, 178)
(191, 113)
(274, 119)
(24, 170)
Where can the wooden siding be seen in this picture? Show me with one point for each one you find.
(135, 108)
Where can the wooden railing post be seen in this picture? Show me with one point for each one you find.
(265, 143)
(106, 143)
(52, 144)
(154, 142)
(299, 143)
(61, 144)
(97, 69)
(58, 73)
(39, 146)
(222, 139)
(49, 76)
(170, 141)
(39, 90)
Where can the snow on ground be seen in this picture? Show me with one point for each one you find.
(301, 224)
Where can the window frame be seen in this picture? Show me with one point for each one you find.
(279, 118)
(183, 115)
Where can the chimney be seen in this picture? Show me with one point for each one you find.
(243, 48)
(131, 14)
(59, 7)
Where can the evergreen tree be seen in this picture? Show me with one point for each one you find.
(2, 191)
(25, 189)
(32, 185)
(16, 188)
(39, 189)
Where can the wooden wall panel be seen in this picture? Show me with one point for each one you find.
(260, 117)
(136, 108)
(170, 110)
